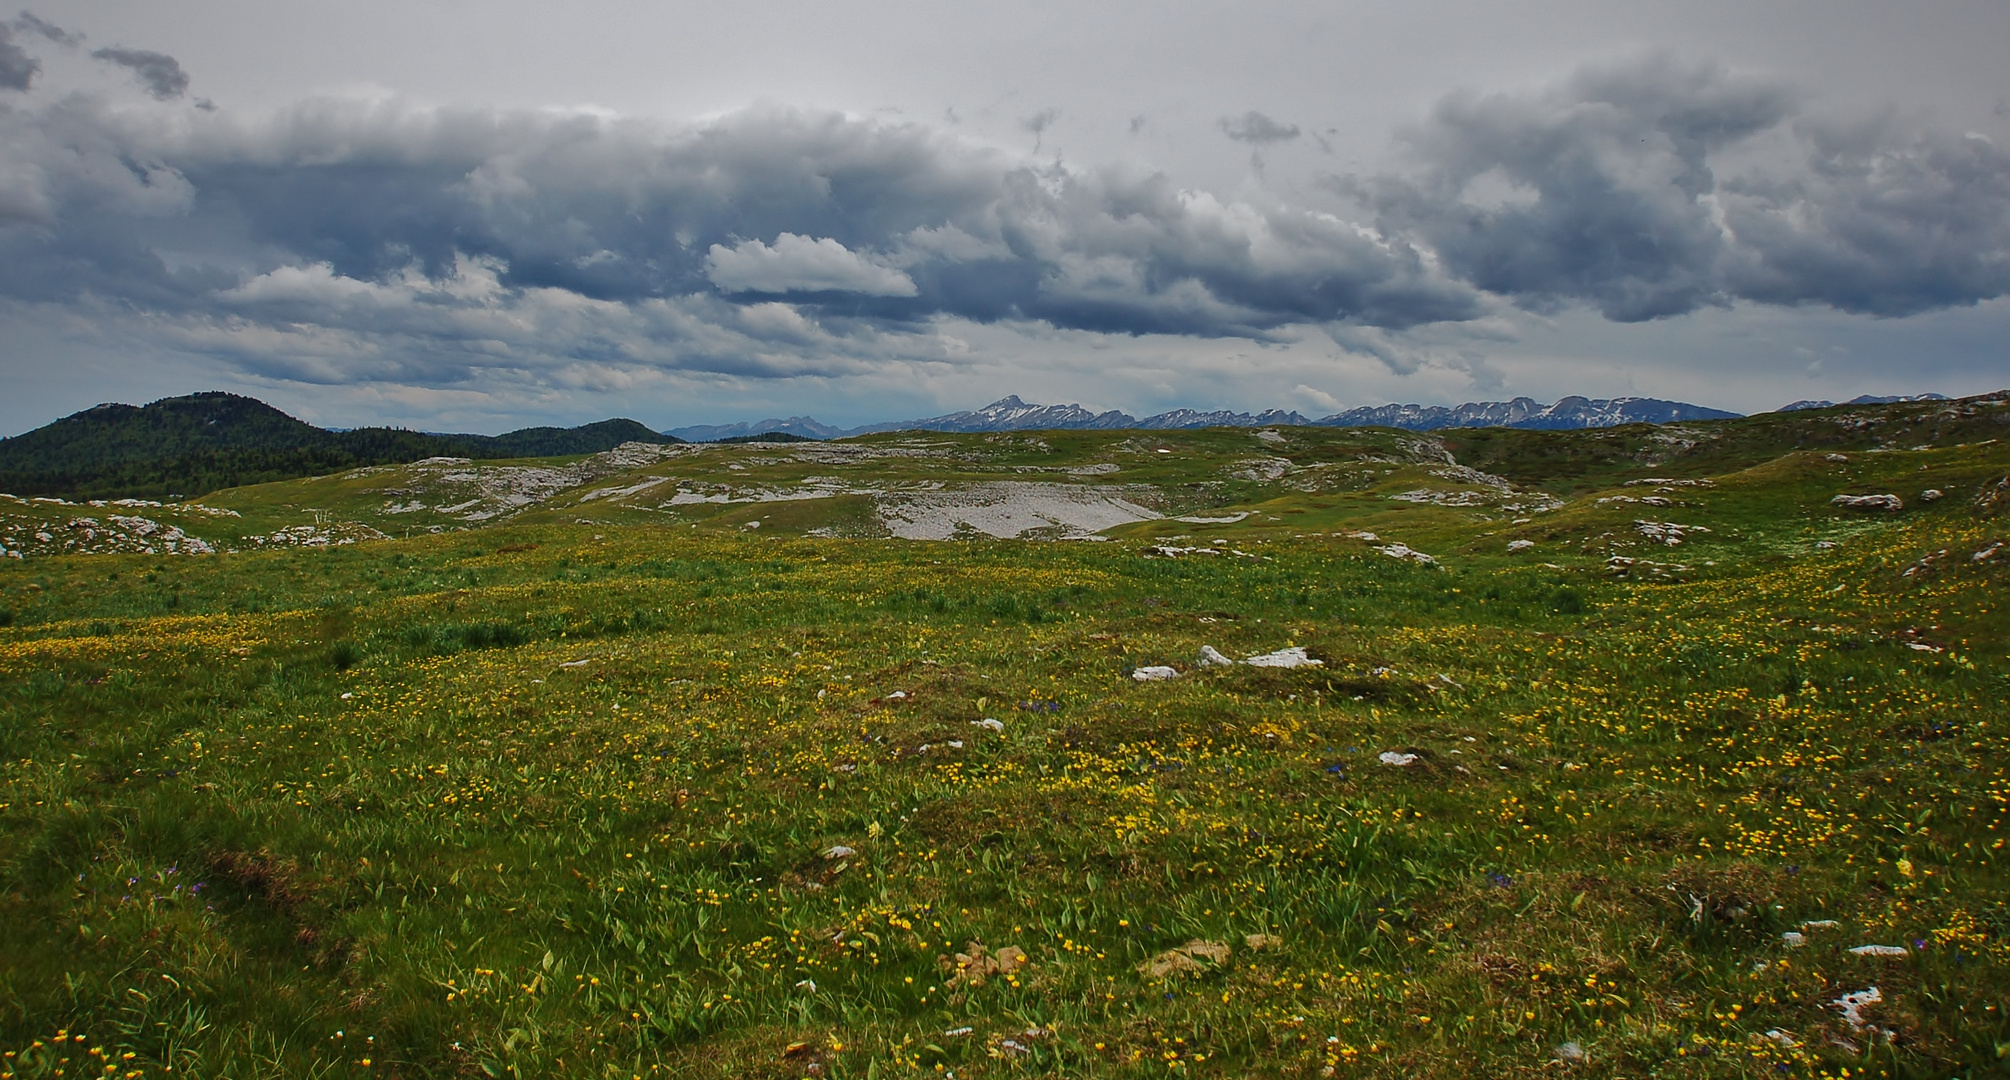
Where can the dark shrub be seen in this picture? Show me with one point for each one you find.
(345, 655)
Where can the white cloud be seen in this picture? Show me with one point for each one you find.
(800, 264)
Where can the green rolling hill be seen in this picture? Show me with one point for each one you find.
(186, 446)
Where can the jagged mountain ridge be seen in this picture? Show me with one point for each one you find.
(1860, 399)
(1567, 413)
(1012, 414)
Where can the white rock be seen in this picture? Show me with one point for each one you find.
(1667, 532)
(1007, 509)
(1153, 673)
(1889, 503)
(1794, 939)
(1211, 657)
(1879, 950)
(1520, 545)
(838, 851)
(1931, 494)
(1404, 551)
(1292, 657)
(1852, 1004)
(1173, 552)
(989, 724)
(1391, 757)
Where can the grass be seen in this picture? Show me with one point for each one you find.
(598, 799)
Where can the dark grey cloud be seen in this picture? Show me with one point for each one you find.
(160, 73)
(1257, 129)
(17, 68)
(335, 238)
(30, 22)
(1878, 222)
(1656, 188)
(867, 227)
(1038, 123)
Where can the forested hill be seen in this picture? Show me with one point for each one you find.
(199, 443)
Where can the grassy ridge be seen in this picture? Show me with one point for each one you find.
(186, 446)
(569, 800)
(1576, 461)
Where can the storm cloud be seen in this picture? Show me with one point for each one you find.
(342, 240)
(857, 221)
(17, 68)
(1257, 129)
(1656, 188)
(160, 73)
(34, 24)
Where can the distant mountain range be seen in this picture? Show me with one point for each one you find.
(805, 426)
(1012, 414)
(1864, 399)
(1566, 414)
(199, 443)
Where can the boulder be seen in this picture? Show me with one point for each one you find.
(1890, 504)
(1291, 657)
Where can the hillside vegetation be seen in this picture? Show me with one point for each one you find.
(1625, 753)
(202, 442)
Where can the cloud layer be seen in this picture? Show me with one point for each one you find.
(372, 240)
(160, 73)
(800, 264)
(1655, 189)
(859, 223)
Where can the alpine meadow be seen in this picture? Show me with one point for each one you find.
(1666, 750)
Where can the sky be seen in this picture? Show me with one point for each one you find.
(479, 216)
